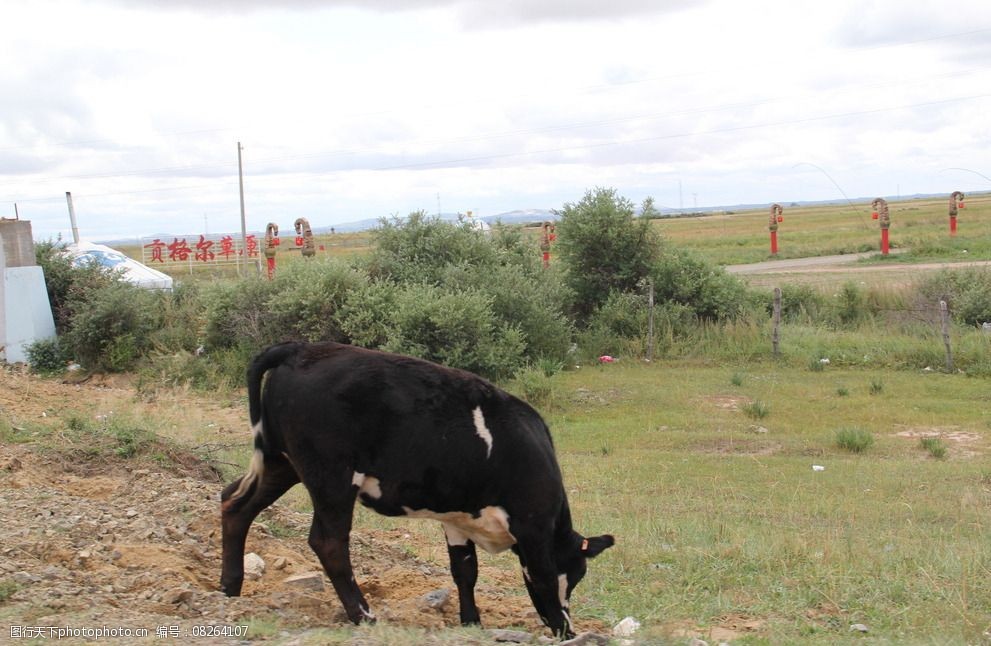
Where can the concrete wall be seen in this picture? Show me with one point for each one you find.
(25, 313)
(18, 245)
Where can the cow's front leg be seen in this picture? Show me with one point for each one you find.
(464, 570)
(544, 586)
(330, 540)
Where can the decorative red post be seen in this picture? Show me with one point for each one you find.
(880, 206)
(304, 237)
(776, 217)
(271, 242)
(545, 243)
(955, 198)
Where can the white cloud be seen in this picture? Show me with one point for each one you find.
(350, 111)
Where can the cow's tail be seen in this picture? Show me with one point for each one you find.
(268, 359)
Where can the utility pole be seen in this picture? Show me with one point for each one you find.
(244, 227)
(17, 216)
(72, 218)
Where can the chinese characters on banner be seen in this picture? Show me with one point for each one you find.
(206, 249)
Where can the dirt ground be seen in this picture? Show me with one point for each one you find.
(115, 543)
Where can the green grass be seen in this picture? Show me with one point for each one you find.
(718, 526)
(919, 226)
(714, 524)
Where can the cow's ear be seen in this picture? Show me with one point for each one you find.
(595, 545)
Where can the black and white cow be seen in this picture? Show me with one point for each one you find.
(408, 438)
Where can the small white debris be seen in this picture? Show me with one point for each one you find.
(927, 369)
(824, 361)
(254, 566)
(626, 627)
(860, 628)
(818, 467)
(695, 641)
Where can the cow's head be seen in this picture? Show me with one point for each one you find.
(572, 562)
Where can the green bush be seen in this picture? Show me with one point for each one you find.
(112, 329)
(306, 301)
(69, 287)
(685, 278)
(367, 311)
(535, 386)
(419, 248)
(799, 303)
(604, 247)
(47, 356)
(457, 329)
(967, 291)
(236, 314)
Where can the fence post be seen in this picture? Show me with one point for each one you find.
(650, 320)
(775, 334)
(944, 319)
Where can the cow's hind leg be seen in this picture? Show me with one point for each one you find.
(238, 514)
(464, 570)
(330, 540)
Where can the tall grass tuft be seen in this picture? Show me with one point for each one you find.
(935, 446)
(855, 440)
(757, 409)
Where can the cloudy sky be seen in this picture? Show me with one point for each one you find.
(351, 109)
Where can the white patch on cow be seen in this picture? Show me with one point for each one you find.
(490, 530)
(482, 430)
(567, 620)
(562, 590)
(526, 574)
(454, 536)
(358, 479)
(370, 487)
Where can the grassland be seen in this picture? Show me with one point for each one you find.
(919, 226)
(723, 524)
(726, 531)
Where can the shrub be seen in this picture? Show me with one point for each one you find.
(236, 314)
(47, 356)
(68, 287)
(604, 247)
(851, 306)
(306, 300)
(855, 440)
(456, 329)
(113, 329)
(419, 248)
(968, 292)
(367, 311)
(535, 386)
(799, 303)
(686, 278)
